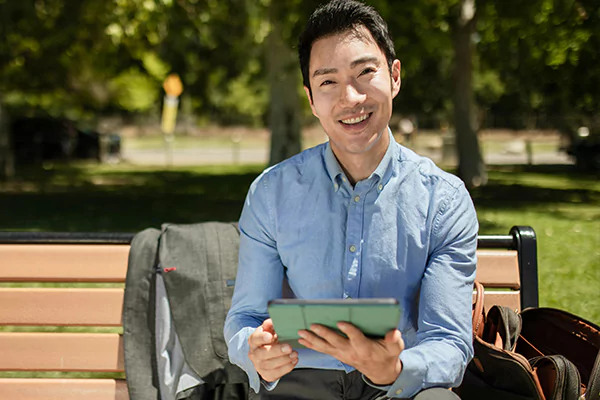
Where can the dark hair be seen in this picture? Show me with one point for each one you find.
(338, 16)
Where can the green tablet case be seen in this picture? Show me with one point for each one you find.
(374, 317)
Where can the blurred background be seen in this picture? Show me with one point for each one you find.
(117, 115)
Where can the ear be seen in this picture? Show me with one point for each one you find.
(310, 101)
(396, 79)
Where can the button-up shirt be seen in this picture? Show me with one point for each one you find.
(409, 231)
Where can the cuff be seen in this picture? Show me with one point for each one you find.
(269, 385)
(238, 349)
(368, 382)
(410, 380)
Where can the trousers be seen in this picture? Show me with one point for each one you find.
(318, 384)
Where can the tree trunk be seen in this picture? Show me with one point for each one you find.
(283, 75)
(471, 168)
(7, 165)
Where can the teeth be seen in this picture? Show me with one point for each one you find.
(353, 121)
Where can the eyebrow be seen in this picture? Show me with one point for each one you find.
(364, 60)
(353, 64)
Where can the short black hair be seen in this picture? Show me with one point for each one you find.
(339, 16)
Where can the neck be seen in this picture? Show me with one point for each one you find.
(360, 166)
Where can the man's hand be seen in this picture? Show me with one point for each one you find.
(271, 359)
(377, 359)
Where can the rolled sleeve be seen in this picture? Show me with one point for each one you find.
(259, 277)
(238, 354)
(444, 339)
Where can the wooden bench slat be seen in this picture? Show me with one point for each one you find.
(61, 352)
(63, 263)
(65, 306)
(63, 389)
(498, 268)
(509, 299)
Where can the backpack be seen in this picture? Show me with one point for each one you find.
(538, 354)
(179, 286)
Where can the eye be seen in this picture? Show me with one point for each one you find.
(367, 71)
(327, 82)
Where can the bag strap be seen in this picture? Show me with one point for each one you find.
(478, 310)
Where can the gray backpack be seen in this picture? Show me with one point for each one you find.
(178, 291)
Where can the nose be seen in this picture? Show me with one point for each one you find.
(351, 96)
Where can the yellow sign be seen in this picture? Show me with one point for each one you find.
(173, 86)
(169, 115)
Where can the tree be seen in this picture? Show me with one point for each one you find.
(471, 168)
(7, 163)
(284, 109)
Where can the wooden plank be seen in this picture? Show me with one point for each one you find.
(511, 299)
(61, 352)
(62, 307)
(63, 263)
(498, 268)
(63, 389)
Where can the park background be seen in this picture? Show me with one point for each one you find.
(493, 91)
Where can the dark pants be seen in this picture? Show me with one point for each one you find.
(315, 384)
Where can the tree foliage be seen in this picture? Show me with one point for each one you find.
(537, 60)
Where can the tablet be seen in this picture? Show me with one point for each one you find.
(374, 317)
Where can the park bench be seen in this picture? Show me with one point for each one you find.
(61, 279)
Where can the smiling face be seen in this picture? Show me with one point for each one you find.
(352, 92)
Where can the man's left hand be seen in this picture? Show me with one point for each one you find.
(377, 359)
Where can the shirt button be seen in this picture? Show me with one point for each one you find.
(356, 199)
(344, 178)
(335, 186)
(352, 248)
(380, 187)
(399, 391)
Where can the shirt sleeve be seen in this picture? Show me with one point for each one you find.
(259, 277)
(444, 337)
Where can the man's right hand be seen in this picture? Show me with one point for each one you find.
(271, 359)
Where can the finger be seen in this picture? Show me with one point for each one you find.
(278, 362)
(267, 326)
(354, 334)
(329, 335)
(271, 351)
(274, 374)
(260, 337)
(315, 342)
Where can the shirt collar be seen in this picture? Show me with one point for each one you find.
(383, 171)
(331, 163)
(386, 167)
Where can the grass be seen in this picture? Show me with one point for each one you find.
(563, 207)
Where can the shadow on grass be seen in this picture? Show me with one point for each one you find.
(533, 187)
(72, 199)
(123, 199)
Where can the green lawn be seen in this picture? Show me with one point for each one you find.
(561, 205)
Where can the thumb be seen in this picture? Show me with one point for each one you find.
(265, 334)
(267, 326)
(393, 341)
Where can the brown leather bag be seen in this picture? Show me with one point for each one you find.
(521, 356)
(549, 332)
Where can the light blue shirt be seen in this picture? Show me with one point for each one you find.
(409, 231)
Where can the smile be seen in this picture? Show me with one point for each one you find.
(357, 120)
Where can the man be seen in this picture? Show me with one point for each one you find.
(359, 216)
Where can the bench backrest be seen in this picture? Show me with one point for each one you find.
(78, 281)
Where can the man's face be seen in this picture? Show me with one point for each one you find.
(352, 90)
